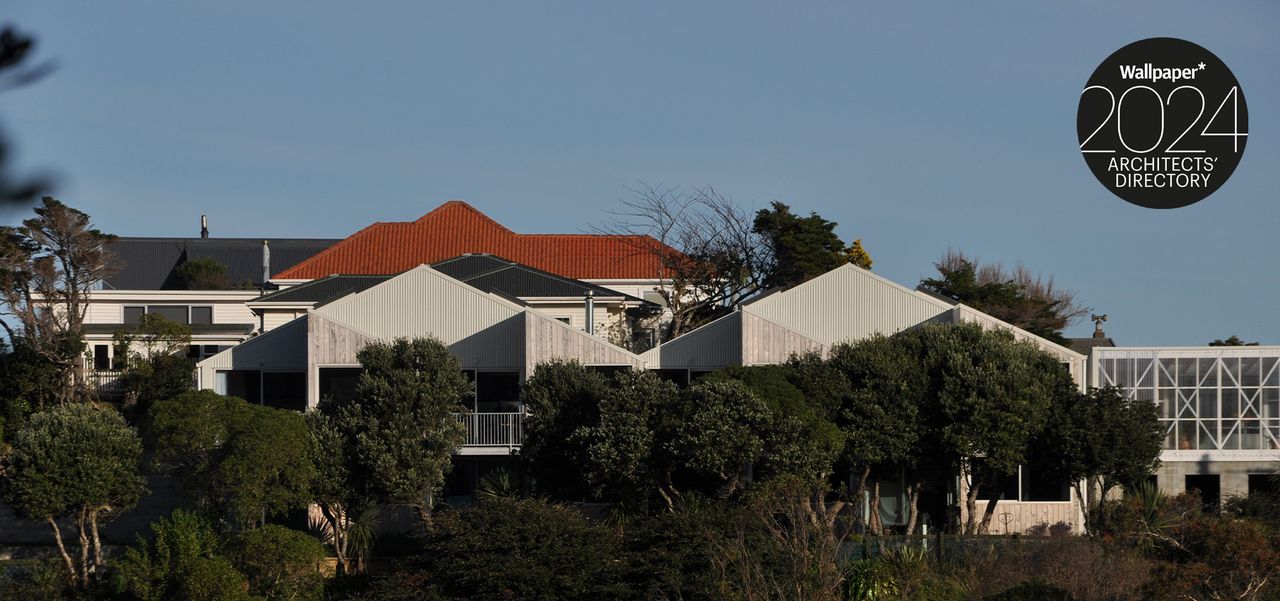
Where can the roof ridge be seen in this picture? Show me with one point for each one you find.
(459, 205)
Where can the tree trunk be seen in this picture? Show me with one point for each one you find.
(913, 500)
(337, 526)
(1084, 507)
(876, 525)
(858, 493)
(97, 543)
(424, 514)
(62, 548)
(971, 506)
(84, 548)
(986, 515)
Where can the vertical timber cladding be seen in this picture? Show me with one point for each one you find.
(546, 339)
(847, 303)
(765, 342)
(328, 343)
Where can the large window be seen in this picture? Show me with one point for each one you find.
(1210, 400)
(183, 314)
(285, 390)
(497, 392)
(1025, 485)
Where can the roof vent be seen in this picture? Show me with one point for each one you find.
(204, 226)
(1097, 325)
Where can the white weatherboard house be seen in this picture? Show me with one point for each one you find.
(846, 304)
(498, 342)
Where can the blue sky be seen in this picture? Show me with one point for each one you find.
(917, 129)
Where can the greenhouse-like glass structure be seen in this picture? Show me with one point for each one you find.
(1210, 398)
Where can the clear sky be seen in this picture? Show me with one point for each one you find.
(917, 129)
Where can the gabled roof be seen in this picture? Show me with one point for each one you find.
(149, 263)
(456, 228)
(484, 272)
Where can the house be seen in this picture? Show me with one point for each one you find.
(846, 304)
(148, 281)
(583, 305)
(1219, 407)
(626, 264)
(497, 339)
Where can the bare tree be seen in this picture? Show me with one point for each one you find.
(48, 266)
(705, 248)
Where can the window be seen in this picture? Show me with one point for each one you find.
(1264, 484)
(201, 315)
(497, 392)
(1209, 486)
(1024, 485)
(285, 390)
(338, 382)
(564, 320)
(174, 313)
(134, 314)
(101, 356)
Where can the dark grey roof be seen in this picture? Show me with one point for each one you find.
(196, 328)
(495, 274)
(148, 263)
(324, 290)
(485, 272)
(1085, 345)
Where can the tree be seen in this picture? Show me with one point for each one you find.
(619, 447)
(156, 569)
(80, 462)
(400, 425)
(1103, 439)
(987, 395)
(156, 366)
(280, 563)
(704, 245)
(340, 492)
(238, 462)
(1031, 302)
(203, 273)
(715, 438)
(561, 397)
(30, 382)
(800, 248)
(1233, 340)
(48, 267)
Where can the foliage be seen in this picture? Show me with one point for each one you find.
(522, 549)
(75, 461)
(717, 433)
(800, 248)
(1233, 340)
(48, 267)
(155, 368)
(238, 461)
(15, 71)
(280, 563)
(344, 498)
(1032, 590)
(620, 448)
(31, 382)
(1223, 557)
(560, 397)
(213, 578)
(155, 570)
(203, 273)
(399, 427)
(1031, 302)
(1101, 438)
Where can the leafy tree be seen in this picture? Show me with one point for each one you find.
(340, 492)
(156, 366)
(280, 563)
(30, 381)
(1101, 438)
(522, 549)
(80, 462)
(620, 462)
(399, 426)
(1031, 302)
(48, 267)
(987, 396)
(561, 397)
(237, 461)
(203, 273)
(800, 248)
(213, 579)
(718, 434)
(155, 569)
(1233, 340)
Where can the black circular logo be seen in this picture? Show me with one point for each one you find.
(1162, 123)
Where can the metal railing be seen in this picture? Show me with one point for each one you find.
(493, 429)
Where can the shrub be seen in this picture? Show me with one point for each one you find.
(155, 570)
(212, 579)
(279, 562)
(203, 273)
(1032, 590)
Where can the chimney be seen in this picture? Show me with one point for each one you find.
(1097, 325)
(266, 263)
(591, 312)
(204, 226)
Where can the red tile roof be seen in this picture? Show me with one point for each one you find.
(455, 228)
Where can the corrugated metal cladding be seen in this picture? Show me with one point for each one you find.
(282, 349)
(765, 342)
(845, 304)
(148, 263)
(420, 302)
(323, 290)
(547, 339)
(712, 346)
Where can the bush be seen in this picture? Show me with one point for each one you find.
(155, 570)
(1032, 590)
(212, 579)
(280, 563)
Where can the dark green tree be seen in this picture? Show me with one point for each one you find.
(619, 448)
(561, 398)
(31, 381)
(1232, 340)
(340, 491)
(1031, 302)
(238, 462)
(400, 426)
(80, 462)
(280, 563)
(156, 366)
(203, 273)
(802, 247)
(156, 569)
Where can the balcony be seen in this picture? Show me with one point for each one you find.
(492, 433)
